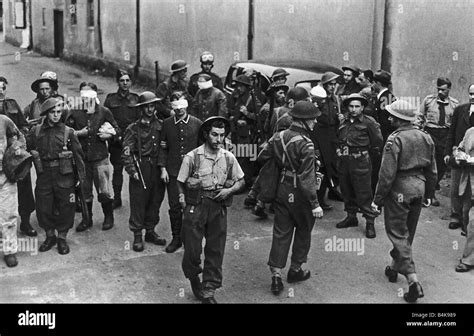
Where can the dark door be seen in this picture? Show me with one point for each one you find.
(58, 33)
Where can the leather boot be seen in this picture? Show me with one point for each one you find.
(175, 244)
(108, 215)
(415, 291)
(26, 228)
(347, 222)
(83, 225)
(138, 242)
(117, 196)
(370, 230)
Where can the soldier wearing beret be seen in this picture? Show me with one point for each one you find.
(296, 202)
(119, 103)
(359, 135)
(407, 175)
(58, 149)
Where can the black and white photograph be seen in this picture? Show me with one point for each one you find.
(186, 152)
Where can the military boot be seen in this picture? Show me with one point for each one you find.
(26, 228)
(138, 242)
(176, 223)
(370, 230)
(349, 221)
(83, 225)
(117, 196)
(108, 210)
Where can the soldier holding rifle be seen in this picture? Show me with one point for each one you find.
(141, 145)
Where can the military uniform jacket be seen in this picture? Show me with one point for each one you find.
(177, 139)
(302, 156)
(119, 105)
(408, 152)
(141, 138)
(363, 133)
(209, 103)
(12, 110)
(164, 91)
(49, 142)
(194, 88)
(94, 148)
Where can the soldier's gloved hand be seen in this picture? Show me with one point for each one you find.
(446, 159)
(318, 212)
(164, 175)
(182, 201)
(136, 177)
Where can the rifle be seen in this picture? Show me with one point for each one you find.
(79, 189)
(139, 170)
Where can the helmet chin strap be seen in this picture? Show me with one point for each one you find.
(306, 126)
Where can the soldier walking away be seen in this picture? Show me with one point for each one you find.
(176, 82)
(141, 146)
(296, 202)
(207, 63)
(434, 116)
(119, 104)
(179, 136)
(56, 150)
(207, 179)
(359, 135)
(209, 101)
(8, 190)
(94, 125)
(407, 176)
(26, 201)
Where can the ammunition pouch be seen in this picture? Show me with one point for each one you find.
(37, 162)
(65, 163)
(193, 194)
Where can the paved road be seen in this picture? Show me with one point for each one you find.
(102, 268)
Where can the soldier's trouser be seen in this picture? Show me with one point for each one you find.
(175, 211)
(468, 253)
(401, 213)
(55, 191)
(292, 214)
(376, 162)
(355, 181)
(99, 174)
(460, 205)
(145, 204)
(8, 215)
(439, 136)
(208, 220)
(26, 201)
(115, 151)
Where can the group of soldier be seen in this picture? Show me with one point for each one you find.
(352, 140)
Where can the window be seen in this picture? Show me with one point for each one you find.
(73, 12)
(90, 13)
(44, 17)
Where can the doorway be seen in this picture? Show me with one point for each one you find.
(58, 33)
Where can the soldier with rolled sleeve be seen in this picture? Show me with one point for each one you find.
(296, 204)
(58, 150)
(119, 104)
(359, 136)
(179, 136)
(407, 176)
(94, 125)
(207, 179)
(141, 146)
